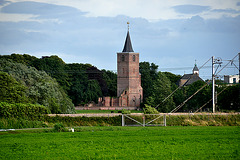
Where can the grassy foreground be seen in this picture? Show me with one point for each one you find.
(124, 143)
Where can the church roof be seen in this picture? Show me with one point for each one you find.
(195, 68)
(191, 78)
(128, 44)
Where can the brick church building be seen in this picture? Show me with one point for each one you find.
(129, 90)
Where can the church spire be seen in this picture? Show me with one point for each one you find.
(128, 44)
(195, 69)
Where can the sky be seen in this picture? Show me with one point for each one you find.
(172, 34)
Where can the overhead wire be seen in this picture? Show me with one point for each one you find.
(210, 100)
(179, 106)
(182, 85)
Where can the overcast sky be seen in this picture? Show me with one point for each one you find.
(172, 34)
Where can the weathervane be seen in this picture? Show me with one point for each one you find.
(128, 25)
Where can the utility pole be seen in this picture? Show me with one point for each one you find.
(219, 62)
(239, 68)
(213, 85)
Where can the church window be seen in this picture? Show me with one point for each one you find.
(134, 58)
(123, 58)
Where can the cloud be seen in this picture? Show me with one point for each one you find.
(40, 9)
(238, 3)
(2, 2)
(233, 11)
(191, 9)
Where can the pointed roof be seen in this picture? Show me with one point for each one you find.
(195, 68)
(128, 44)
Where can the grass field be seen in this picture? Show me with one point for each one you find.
(124, 143)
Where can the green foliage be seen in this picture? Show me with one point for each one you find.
(84, 83)
(19, 110)
(124, 111)
(172, 77)
(199, 99)
(18, 123)
(55, 67)
(82, 89)
(59, 128)
(149, 110)
(230, 98)
(111, 79)
(41, 88)
(18, 58)
(171, 120)
(156, 87)
(148, 77)
(161, 89)
(93, 91)
(10, 90)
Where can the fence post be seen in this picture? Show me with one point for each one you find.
(164, 120)
(144, 120)
(123, 121)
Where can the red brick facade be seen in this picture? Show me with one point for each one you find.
(129, 88)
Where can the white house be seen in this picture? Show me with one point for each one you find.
(231, 78)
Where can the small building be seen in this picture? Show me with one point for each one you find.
(188, 79)
(231, 79)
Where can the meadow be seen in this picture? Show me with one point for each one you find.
(172, 142)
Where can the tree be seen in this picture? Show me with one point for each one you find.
(41, 88)
(93, 91)
(230, 98)
(161, 89)
(111, 80)
(18, 58)
(79, 79)
(11, 91)
(199, 99)
(96, 74)
(148, 76)
(55, 67)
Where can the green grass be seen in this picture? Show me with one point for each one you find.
(124, 143)
(105, 111)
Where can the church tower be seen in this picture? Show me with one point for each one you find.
(129, 90)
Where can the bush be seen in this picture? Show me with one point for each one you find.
(14, 123)
(124, 111)
(25, 111)
(149, 110)
(59, 128)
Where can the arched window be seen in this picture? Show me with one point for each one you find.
(134, 58)
(123, 58)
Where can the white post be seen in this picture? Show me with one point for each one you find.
(123, 121)
(239, 68)
(143, 120)
(164, 120)
(213, 85)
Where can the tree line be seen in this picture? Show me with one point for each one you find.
(51, 82)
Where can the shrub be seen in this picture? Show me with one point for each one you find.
(149, 110)
(124, 111)
(25, 111)
(59, 127)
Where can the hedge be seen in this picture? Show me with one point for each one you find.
(20, 110)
